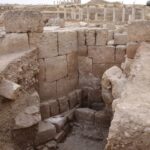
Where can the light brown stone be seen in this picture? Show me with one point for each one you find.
(42, 70)
(101, 37)
(45, 110)
(81, 37)
(120, 53)
(54, 107)
(110, 35)
(72, 98)
(90, 37)
(82, 51)
(102, 54)
(23, 21)
(56, 68)
(46, 42)
(63, 104)
(120, 38)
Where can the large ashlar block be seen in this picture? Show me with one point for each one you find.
(110, 35)
(47, 90)
(63, 104)
(101, 37)
(45, 110)
(54, 107)
(56, 68)
(82, 51)
(120, 53)
(85, 65)
(72, 61)
(42, 69)
(131, 49)
(23, 21)
(90, 37)
(120, 38)
(66, 85)
(46, 42)
(139, 31)
(14, 42)
(81, 38)
(102, 54)
(67, 42)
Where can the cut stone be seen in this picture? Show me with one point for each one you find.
(81, 37)
(120, 53)
(60, 136)
(82, 51)
(63, 104)
(54, 107)
(121, 38)
(45, 110)
(101, 37)
(72, 98)
(90, 37)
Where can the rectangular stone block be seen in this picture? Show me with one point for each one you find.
(56, 68)
(82, 51)
(101, 37)
(139, 31)
(66, 85)
(46, 42)
(42, 69)
(67, 42)
(81, 37)
(102, 54)
(63, 104)
(14, 42)
(72, 61)
(23, 21)
(45, 110)
(72, 99)
(120, 53)
(54, 107)
(120, 38)
(90, 37)
(47, 90)
(79, 96)
(110, 35)
(131, 49)
(85, 65)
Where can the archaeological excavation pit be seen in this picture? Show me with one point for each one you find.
(74, 86)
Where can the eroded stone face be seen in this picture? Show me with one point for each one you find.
(23, 21)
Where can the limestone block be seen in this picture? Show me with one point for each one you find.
(67, 42)
(42, 69)
(66, 85)
(81, 37)
(56, 68)
(58, 121)
(90, 37)
(46, 42)
(120, 53)
(47, 90)
(101, 37)
(120, 38)
(9, 89)
(111, 43)
(63, 104)
(82, 51)
(102, 54)
(54, 107)
(131, 49)
(28, 117)
(85, 115)
(72, 98)
(46, 132)
(14, 42)
(72, 61)
(23, 21)
(45, 110)
(139, 31)
(79, 96)
(85, 65)
(110, 35)
(99, 69)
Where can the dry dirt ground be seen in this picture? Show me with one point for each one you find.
(85, 137)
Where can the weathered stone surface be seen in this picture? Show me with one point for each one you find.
(58, 121)
(130, 125)
(139, 31)
(121, 38)
(46, 132)
(101, 37)
(85, 115)
(111, 43)
(60, 136)
(23, 21)
(56, 68)
(54, 107)
(110, 35)
(42, 70)
(67, 42)
(45, 110)
(90, 37)
(66, 85)
(14, 42)
(101, 54)
(46, 42)
(84, 65)
(120, 53)
(52, 145)
(79, 96)
(81, 37)
(72, 99)
(47, 90)
(131, 49)
(29, 117)
(82, 51)
(72, 61)
(63, 104)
